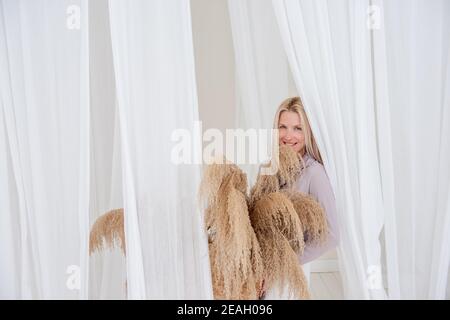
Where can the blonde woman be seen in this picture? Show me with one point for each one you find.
(295, 131)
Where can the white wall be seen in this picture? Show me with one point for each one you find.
(214, 59)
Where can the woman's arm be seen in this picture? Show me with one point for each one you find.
(320, 189)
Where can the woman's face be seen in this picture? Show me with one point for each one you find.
(291, 131)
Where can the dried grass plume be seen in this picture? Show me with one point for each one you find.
(275, 225)
(289, 166)
(236, 264)
(108, 231)
(312, 216)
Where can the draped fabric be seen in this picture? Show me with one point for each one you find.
(65, 162)
(167, 253)
(377, 99)
(44, 141)
(107, 269)
(413, 90)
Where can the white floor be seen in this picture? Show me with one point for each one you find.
(326, 286)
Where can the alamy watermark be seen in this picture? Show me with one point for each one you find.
(239, 146)
(374, 279)
(373, 18)
(73, 281)
(73, 17)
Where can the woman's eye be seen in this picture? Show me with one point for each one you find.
(298, 128)
(282, 127)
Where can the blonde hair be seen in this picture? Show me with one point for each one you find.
(294, 104)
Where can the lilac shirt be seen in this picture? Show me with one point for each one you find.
(314, 181)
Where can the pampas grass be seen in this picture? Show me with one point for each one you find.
(236, 264)
(276, 211)
(281, 265)
(265, 184)
(312, 217)
(252, 238)
(108, 231)
(288, 170)
(213, 176)
(289, 166)
(259, 237)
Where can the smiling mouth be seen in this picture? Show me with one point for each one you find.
(290, 144)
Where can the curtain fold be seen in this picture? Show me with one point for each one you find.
(377, 98)
(167, 253)
(417, 94)
(107, 276)
(44, 136)
(329, 53)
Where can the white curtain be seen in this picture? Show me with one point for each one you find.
(262, 72)
(378, 101)
(167, 253)
(107, 272)
(44, 145)
(412, 60)
(330, 63)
